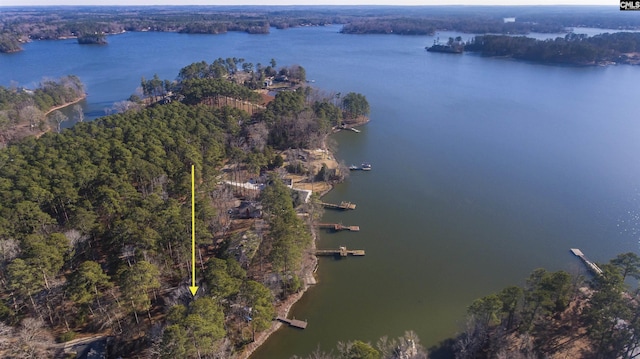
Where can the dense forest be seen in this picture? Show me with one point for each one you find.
(554, 315)
(576, 49)
(95, 222)
(22, 24)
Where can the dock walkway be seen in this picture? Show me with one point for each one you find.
(293, 322)
(343, 205)
(339, 227)
(342, 252)
(590, 265)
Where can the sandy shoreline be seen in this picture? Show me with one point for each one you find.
(57, 108)
(23, 129)
(65, 105)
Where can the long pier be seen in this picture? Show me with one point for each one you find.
(342, 252)
(339, 227)
(590, 265)
(343, 205)
(293, 322)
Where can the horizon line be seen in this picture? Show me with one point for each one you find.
(309, 5)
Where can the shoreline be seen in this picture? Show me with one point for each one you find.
(49, 129)
(309, 269)
(309, 266)
(285, 307)
(65, 105)
(23, 129)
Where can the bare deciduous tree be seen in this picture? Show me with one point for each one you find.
(258, 135)
(6, 332)
(9, 249)
(32, 114)
(75, 237)
(58, 118)
(405, 347)
(78, 113)
(124, 106)
(34, 340)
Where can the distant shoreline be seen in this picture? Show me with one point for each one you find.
(573, 50)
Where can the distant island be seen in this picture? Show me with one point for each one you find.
(446, 49)
(573, 49)
(453, 46)
(92, 39)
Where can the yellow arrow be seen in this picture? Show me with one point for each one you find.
(193, 288)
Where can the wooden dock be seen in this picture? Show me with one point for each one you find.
(590, 265)
(338, 227)
(293, 322)
(343, 205)
(340, 252)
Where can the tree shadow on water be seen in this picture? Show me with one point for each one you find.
(443, 350)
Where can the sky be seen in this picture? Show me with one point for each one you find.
(306, 2)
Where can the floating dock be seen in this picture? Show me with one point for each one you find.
(343, 205)
(339, 227)
(293, 322)
(341, 252)
(590, 265)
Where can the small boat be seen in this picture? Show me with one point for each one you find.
(363, 167)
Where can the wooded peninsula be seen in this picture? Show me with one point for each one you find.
(94, 220)
(573, 49)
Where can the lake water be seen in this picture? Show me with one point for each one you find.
(483, 169)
